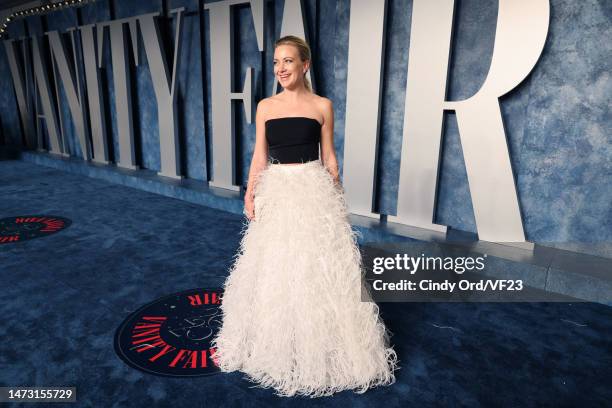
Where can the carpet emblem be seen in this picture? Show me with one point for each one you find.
(171, 336)
(23, 228)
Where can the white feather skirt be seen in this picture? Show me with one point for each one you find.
(292, 314)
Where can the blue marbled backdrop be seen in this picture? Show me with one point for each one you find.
(558, 120)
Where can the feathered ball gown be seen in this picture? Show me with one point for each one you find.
(292, 312)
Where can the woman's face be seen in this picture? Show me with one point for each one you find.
(288, 67)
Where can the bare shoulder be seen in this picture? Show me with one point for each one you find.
(270, 105)
(263, 107)
(265, 102)
(274, 99)
(326, 107)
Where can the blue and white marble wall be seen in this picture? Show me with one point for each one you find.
(558, 120)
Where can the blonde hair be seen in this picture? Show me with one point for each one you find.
(303, 49)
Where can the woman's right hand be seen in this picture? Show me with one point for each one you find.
(249, 207)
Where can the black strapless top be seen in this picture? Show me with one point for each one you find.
(293, 139)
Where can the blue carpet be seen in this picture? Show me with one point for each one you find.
(63, 296)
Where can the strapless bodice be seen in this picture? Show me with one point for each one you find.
(293, 139)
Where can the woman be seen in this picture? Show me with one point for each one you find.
(293, 318)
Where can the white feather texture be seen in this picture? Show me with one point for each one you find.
(292, 313)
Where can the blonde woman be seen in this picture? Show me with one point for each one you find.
(293, 317)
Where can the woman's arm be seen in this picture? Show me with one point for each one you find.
(260, 156)
(328, 151)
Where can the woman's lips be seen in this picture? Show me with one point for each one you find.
(284, 76)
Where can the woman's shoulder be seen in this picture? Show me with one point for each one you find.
(265, 102)
(323, 102)
(278, 98)
(273, 99)
(324, 106)
(267, 106)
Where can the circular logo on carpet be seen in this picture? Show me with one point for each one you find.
(171, 336)
(22, 228)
